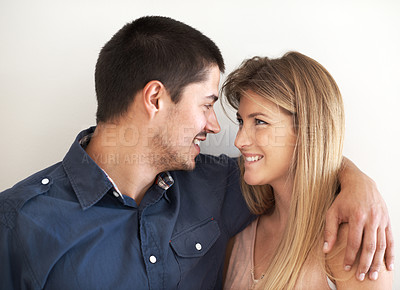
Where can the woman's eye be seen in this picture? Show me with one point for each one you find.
(260, 122)
(208, 106)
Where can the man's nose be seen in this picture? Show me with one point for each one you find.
(212, 125)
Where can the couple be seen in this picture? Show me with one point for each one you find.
(133, 205)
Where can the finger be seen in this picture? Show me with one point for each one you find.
(368, 252)
(389, 255)
(332, 223)
(356, 227)
(377, 261)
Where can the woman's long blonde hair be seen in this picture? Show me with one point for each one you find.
(304, 88)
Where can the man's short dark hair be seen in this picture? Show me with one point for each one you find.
(151, 48)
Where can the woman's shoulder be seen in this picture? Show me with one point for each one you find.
(347, 279)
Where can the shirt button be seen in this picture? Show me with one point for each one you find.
(198, 246)
(115, 193)
(45, 181)
(153, 259)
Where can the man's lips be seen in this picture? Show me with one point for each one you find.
(199, 137)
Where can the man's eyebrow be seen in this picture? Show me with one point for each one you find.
(214, 98)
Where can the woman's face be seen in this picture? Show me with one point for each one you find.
(266, 138)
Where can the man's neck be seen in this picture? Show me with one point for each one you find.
(125, 165)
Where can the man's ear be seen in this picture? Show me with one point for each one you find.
(152, 94)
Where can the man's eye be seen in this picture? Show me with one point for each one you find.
(208, 106)
(240, 121)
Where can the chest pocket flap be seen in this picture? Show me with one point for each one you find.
(197, 240)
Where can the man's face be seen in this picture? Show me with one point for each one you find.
(188, 123)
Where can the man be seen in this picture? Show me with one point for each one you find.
(133, 205)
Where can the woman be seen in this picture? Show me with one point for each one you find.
(291, 128)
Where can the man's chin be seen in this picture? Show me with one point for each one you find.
(189, 165)
(186, 165)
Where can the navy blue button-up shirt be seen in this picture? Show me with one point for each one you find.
(66, 227)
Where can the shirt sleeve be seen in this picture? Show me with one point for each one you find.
(16, 272)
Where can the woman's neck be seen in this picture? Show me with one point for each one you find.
(282, 195)
(270, 228)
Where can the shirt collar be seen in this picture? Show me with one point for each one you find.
(164, 180)
(88, 180)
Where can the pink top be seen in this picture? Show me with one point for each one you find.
(240, 269)
(239, 274)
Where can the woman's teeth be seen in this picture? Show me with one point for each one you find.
(196, 141)
(253, 158)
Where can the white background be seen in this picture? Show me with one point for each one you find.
(48, 50)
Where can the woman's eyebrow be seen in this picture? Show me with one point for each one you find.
(252, 115)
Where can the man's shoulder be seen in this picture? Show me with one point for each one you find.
(14, 198)
(222, 161)
(209, 167)
(211, 173)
